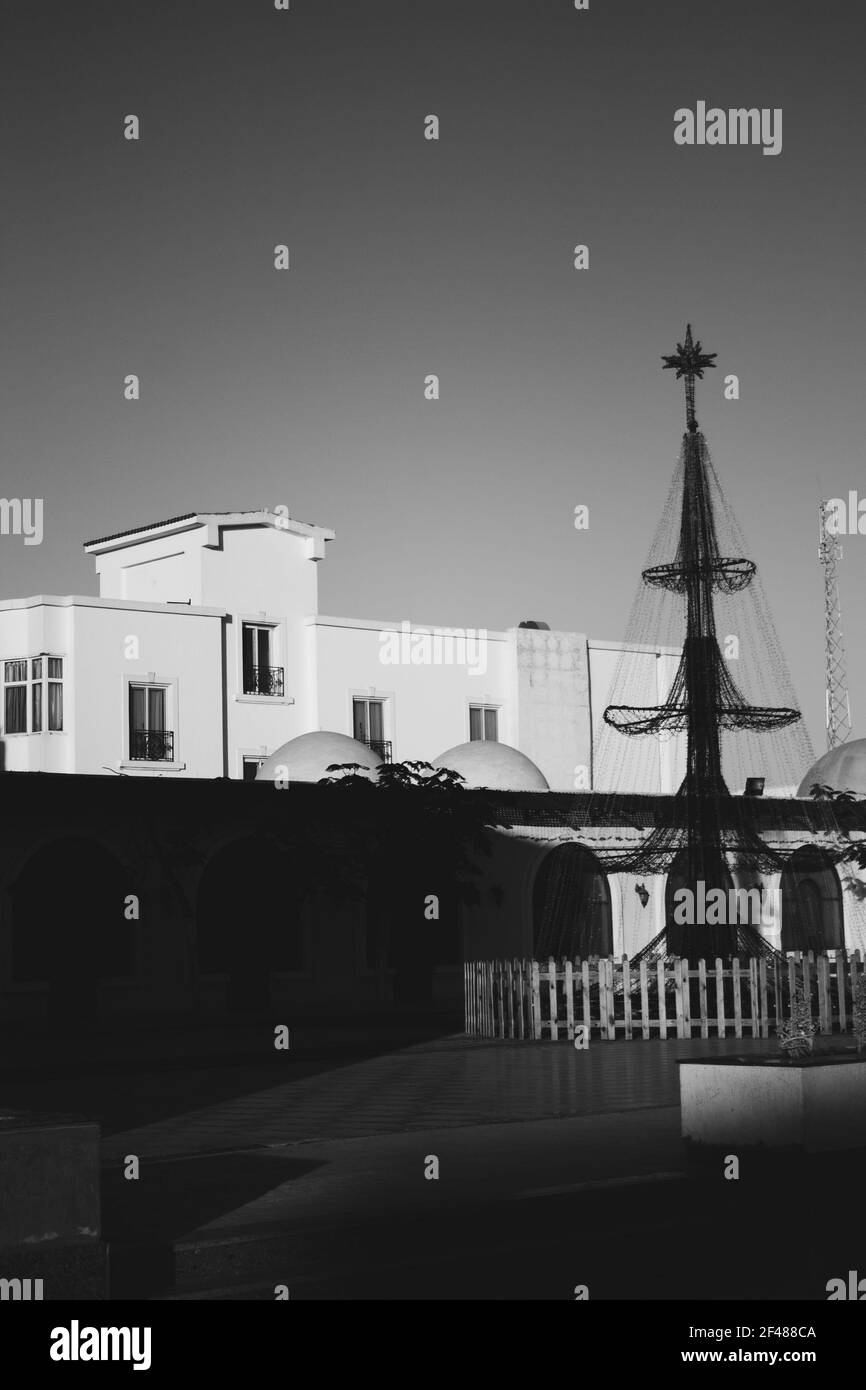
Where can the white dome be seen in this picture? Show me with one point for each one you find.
(308, 757)
(484, 763)
(843, 768)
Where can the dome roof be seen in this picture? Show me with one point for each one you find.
(843, 768)
(308, 757)
(498, 766)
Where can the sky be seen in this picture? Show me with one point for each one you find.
(455, 257)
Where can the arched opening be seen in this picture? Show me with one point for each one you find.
(812, 914)
(571, 910)
(248, 919)
(68, 922)
(694, 927)
(412, 920)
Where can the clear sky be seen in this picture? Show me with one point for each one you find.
(454, 257)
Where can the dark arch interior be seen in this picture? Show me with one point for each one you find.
(696, 939)
(812, 915)
(248, 919)
(412, 919)
(571, 905)
(68, 916)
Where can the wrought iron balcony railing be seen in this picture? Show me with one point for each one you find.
(151, 745)
(380, 746)
(263, 680)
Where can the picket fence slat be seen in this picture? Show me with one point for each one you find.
(738, 1004)
(825, 1010)
(702, 984)
(807, 978)
(662, 984)
(609, 966)
(584, 989)
(531, 999)
(762, 977)
(687, 998)
(536, 1001)
(626, 995)
(644, 1002)
(753, 996)
(569, 1001)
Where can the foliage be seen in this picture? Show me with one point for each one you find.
(850, 817)
(859, 1016)
(411, 815)
(849, 812)
(796, 1034)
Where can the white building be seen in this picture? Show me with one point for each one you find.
(205, 652)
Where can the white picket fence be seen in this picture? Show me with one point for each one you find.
(615, 999)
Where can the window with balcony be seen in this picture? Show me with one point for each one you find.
(368, 720)
(483, 723)
(149, 739)
(260, 675)
(33, 695)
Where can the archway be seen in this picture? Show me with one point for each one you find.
(687, 932)
(412, 920)
(69, 925)
(571, 908)
(812, 914)
(248, 920)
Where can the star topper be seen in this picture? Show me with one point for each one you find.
(689, 362)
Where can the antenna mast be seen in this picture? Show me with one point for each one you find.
(838, 708)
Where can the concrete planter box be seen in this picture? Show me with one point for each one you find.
(49, 1208)
(816, 1105)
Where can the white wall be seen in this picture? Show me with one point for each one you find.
(254, 572)
(161, 570)
(549, 688)
(26, 629)
(182, 648)
(555, 725)
(651, 764)
(92, 636)
(428, 705)
(262, 573)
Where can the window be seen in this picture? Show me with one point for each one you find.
(483, 723)
(55, 694)
(15, 714)
(34, 684)
(260, 677)
(36, 697)
(368, 724)
(149, 739)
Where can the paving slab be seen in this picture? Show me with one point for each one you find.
(451, 1083)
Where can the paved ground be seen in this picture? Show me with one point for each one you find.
(556, 1166)
(446, 1084)
(219, 1103)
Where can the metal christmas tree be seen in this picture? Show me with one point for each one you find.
(707, 831)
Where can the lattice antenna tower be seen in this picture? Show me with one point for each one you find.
(838, 708)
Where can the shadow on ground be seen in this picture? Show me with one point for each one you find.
(136, 1076)
(142, 1217)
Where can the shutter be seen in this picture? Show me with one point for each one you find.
(156, 709)
(137, 709)
(359, 720)
(377, 721)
